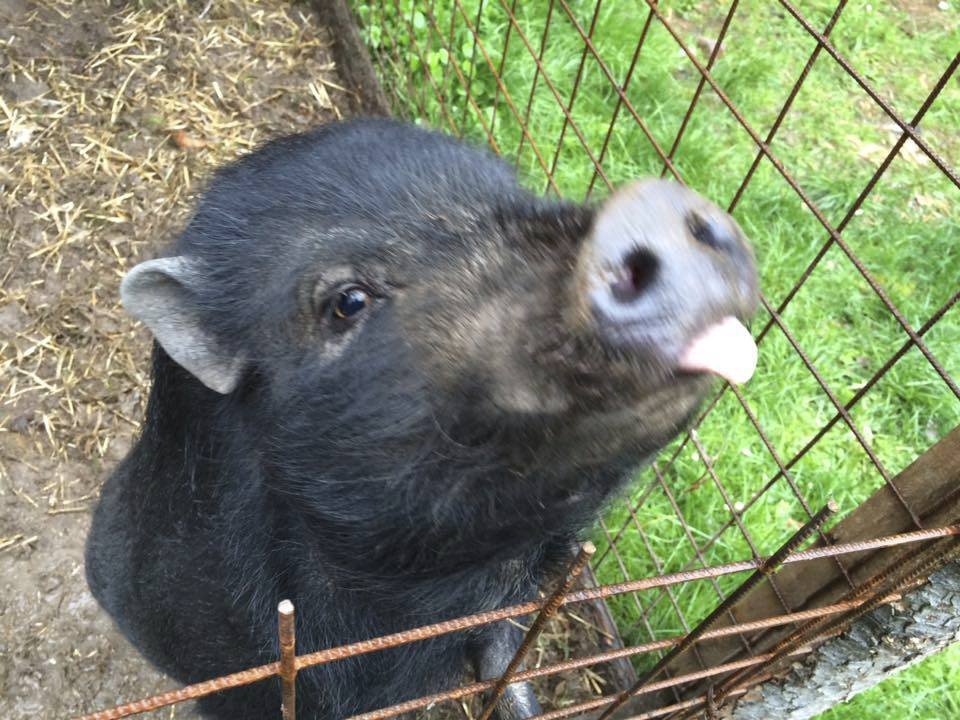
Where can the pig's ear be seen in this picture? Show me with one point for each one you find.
(162, 294)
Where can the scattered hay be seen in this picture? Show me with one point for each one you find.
(111, 117)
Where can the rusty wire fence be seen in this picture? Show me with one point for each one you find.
(754, 105)
(762, 107)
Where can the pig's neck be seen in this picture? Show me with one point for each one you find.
(446, 517)
(406, 529)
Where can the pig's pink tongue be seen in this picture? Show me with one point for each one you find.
(726, 349)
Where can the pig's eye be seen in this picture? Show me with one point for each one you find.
(349, 303)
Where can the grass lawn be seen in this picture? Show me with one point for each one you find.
(832, 141)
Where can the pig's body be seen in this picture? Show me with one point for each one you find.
(431, 454)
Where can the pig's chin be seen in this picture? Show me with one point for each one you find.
(665, 405)
(624, 430)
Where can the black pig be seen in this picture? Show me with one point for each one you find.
(393, 386)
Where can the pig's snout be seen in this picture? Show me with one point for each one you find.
(668, 276)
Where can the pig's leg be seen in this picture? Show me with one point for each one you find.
(490, 652)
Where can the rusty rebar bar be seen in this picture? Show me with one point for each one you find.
(609, 700)
(864, 193)
(549, 609)
(783, 468)
(847, 418)
(190, 692)
(659, 567)
(891, 579)
(608, 656)
(411, 97)
(637, 504)
(764, 570)
(667, 709)
(467, 622)
(286, 630)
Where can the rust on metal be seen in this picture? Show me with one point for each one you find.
(288, 663)
(783, 468)
(714, 54)
(567, 117)
(190, 692)
(697, 551)
(644, 128)
(578, 76)
(763, 570)
(785, 108)
(668, 709)
(619, 103)
(506, 96)
(452, 63)
(868, 89)
(919, 563)
(609, 656)
(548, 610)
(644, 611)
(607, 701)
(246, 677)
(767, 568)
(808, 202)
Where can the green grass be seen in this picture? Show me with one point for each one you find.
(832, 141)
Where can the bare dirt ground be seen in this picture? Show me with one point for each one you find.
(111, 116)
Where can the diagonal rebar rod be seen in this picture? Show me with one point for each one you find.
(467, 622)
(767, 568)
(548, 611)
(463, 691)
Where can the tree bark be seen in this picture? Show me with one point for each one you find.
(875, 647)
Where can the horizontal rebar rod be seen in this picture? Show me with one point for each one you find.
(549, 609)
(765, 570)
(664, 684)
(247, 677)
(579, 663)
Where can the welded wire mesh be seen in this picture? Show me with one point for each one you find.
(815, 145)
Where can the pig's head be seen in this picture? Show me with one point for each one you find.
(401, 331)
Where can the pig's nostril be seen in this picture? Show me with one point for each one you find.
(711, 233)
(638, 273)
